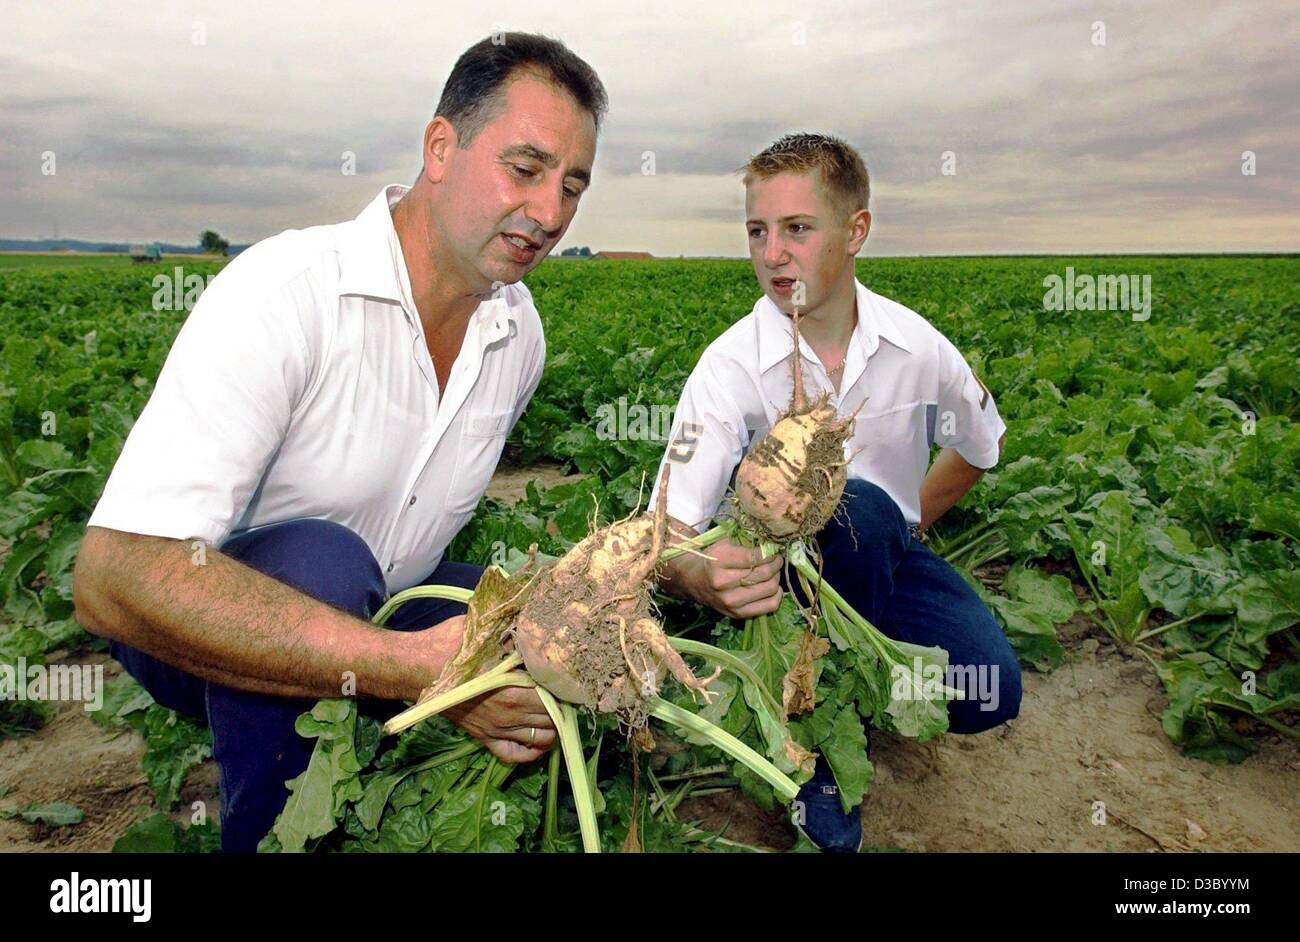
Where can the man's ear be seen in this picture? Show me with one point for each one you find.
(859, 226)
(439, 142)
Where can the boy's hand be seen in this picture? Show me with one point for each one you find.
(737, 581)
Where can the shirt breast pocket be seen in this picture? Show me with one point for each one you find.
(896, 430)
(482, 440)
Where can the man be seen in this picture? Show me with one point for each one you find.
(807, 207)
(329, 417)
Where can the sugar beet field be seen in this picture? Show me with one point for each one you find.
(1138, 543)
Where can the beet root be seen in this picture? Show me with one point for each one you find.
(790, 484)
(587, 632)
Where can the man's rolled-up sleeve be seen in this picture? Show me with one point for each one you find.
(218, 413)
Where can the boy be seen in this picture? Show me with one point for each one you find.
(807, 218)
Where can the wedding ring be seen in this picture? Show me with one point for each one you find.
(532, 735)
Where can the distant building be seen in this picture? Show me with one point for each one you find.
(141, 252)
(622, 256)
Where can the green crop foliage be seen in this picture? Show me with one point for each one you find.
(1148, 486)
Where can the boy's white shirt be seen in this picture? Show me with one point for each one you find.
(918, 390)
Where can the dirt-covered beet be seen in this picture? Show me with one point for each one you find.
(790, 484)
(587, 630)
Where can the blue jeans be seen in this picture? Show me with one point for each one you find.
(253, 739)
(899, 585)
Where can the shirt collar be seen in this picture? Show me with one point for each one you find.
(373, 265)
(874, 324)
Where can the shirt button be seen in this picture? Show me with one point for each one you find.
(390, 568)
(411, 502)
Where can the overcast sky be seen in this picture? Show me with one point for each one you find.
(167, 118)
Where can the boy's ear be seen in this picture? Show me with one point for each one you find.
(439, 140)
(859, 226)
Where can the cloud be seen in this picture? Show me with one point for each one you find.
(167, 120)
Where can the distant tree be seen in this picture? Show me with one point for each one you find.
(212, 243)
(585, 252)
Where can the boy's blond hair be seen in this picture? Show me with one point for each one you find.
(842, 172)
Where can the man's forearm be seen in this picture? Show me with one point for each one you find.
(228, 623)
(947, 482)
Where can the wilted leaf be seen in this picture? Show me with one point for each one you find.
(798, 687)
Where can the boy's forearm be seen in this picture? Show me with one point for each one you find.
(947, 481)
(674, 575)
(230, 624)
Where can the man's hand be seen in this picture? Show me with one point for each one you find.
(737, 581)
(504, 719)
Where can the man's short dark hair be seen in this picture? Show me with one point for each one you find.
(473, 93)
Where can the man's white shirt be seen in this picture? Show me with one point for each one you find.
(912, 387)
(301, 386)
